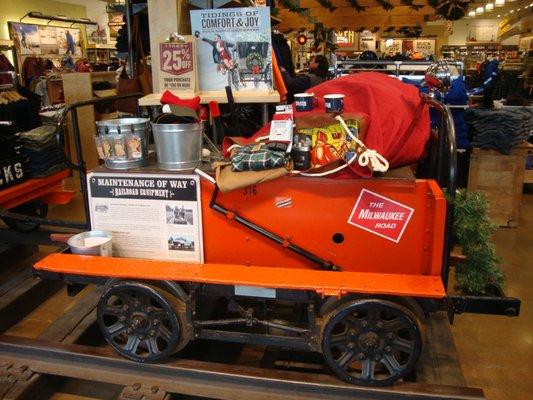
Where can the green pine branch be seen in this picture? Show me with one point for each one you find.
(472, 230)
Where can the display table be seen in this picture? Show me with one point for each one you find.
(248, 97)
(500, 177)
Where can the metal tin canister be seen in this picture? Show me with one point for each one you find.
(301, 157)
(117, 132)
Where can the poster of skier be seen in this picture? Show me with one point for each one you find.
(234, 48)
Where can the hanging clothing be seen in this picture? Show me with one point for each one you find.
(278, 78)
(5, 66)
(34, 67)
(144, 31)
(24, 114)
(283, 52)
(300, 83)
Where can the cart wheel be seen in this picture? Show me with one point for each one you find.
(371, 342)
(142, 322)
(31, 209)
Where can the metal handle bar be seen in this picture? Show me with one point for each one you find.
(80, 166)
(447, 143)
(75, 127)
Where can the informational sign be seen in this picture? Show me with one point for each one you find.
(367, 41)
(424, 46)
(234, 48)
(152, 216)
(390, 46)
(380, 215)
(178, 65)
(346, 38)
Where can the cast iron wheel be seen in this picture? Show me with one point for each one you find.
(371, 342)
(141, 322)
(31, 209)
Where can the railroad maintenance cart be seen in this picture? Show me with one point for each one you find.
(349, 268)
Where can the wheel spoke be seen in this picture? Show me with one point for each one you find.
(394, 325)
(132, 344)
(390, 362)
(339, 339)
(113, 310)
(346, 359)
(165, 334)
(350, 322)
(116, 329)
(152, 346)
(403, 345)
(373, 314)
(369, 367)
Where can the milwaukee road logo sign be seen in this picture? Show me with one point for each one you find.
(381, 216)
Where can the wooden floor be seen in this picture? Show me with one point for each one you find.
(497, 352)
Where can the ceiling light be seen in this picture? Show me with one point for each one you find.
(489, 7)
(479, 10)
(499, 3)
(472, 14)
(499, 15)
(518, 9)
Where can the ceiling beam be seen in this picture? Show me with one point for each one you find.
(365, 3)
(377, 11)
(375, 20)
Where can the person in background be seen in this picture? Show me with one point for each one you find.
(71, 47)
(318, 72)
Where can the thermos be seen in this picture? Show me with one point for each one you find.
(301, 157)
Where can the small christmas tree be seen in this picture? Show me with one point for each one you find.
(472, 230)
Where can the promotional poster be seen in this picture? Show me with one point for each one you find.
(43, 40)
(234, 48)
(152, 216)
(177, 65)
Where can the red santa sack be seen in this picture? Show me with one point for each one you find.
(396, 118)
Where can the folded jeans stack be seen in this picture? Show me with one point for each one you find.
(500, 130)
(41, 152)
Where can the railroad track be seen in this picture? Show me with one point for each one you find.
(71, 348)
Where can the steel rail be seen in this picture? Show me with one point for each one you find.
(206, 379)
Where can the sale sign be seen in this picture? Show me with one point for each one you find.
(380, 215)
(177, 65)
(176, 58)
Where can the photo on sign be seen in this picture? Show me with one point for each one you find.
(48, 38)
(102, 209)
(96, 34)
(234, 48)
(179, 215)
(181, 243)
(69, 41)
(27, 38)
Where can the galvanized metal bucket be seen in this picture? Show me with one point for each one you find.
(126, 128)
(178, 146)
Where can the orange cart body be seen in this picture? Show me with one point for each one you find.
(309, 213)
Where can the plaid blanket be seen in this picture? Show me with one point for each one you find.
(257, 157)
